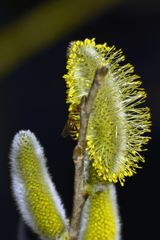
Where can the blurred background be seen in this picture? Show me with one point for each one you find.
(34, 36)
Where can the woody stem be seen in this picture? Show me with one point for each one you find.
(79, 151)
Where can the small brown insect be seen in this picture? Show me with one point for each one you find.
(72, 125)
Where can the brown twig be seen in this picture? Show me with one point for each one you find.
(78, 153)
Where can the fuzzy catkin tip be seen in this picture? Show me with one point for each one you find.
(35, 194)
(100, 217)
(118, 124)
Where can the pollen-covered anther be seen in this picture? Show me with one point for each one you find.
(118, 124)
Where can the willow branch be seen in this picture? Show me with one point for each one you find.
(79, 150)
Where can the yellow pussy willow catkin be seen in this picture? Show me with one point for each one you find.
(117, 125)
(35, 194)
(100, 219)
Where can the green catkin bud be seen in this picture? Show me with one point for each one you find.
(34, 192)
(100, 218)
